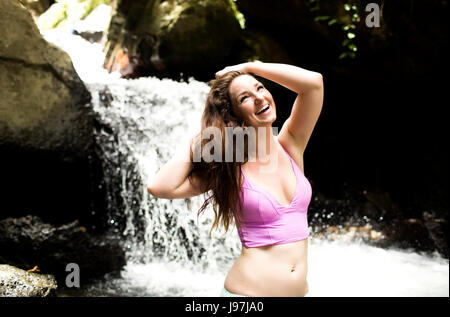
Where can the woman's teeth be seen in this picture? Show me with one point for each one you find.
(263, 110)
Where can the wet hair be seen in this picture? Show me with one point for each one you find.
(221, 181)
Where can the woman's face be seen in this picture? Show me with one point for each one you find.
(252, 102)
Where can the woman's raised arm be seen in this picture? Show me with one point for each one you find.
(307, 106)
(172, 180)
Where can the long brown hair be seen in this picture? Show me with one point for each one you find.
(220, 179)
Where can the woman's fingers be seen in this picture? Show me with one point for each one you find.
(222, 72)
(244, 67)
(238, 67)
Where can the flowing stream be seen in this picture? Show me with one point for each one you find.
(169, 250)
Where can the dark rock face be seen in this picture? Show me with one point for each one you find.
(166, 38)
(28, 241)
(46, 139)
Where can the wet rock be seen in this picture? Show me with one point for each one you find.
(15, 282)
(27, 242)
(373, 217)
(409, 233)
(438, 231)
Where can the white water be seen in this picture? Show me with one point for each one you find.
(336, 269)
(169, 250)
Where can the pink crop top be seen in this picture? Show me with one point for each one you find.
(267, 221)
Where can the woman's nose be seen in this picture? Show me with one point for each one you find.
(258, 98)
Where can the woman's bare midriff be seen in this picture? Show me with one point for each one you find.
(270, 271)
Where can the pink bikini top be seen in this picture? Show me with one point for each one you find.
(267, 221)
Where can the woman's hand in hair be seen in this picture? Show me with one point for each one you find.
(243, 67)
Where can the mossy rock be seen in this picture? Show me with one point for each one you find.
(172, 37)
(201, 36)
(43, 98)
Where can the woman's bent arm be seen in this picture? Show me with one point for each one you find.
(172, 180)
(292, 77)
(307, 107)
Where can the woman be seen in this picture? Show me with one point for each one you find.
(269, 205)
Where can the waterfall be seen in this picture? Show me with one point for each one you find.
(169, 250)
(142, 122)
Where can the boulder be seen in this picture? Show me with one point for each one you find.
(167, 38)
(15, 282)
(28, 242)
(43, 99)
(46, 126)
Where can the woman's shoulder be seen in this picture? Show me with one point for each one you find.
(294, 150)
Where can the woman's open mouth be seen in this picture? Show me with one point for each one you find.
(263, 110)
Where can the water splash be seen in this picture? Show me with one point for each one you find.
(340, 268)
(336, 269)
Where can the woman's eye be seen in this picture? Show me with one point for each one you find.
(243, 98)
(260, 87)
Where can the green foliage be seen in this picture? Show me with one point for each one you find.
(239, 16)
(346, 22)
(66, 11)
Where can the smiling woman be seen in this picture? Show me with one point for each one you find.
(268, 206)
(252, 101)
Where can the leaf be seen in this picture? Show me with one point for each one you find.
(345, 42)
(322, 18)
(332, 21)
(343, 55)
(353, 47)
(347, 7)
(351, 35)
